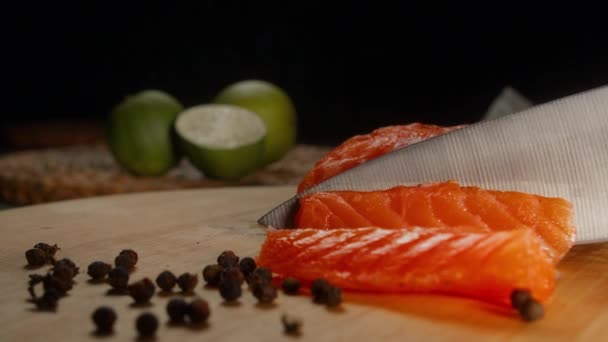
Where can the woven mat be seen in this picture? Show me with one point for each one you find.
(90, 170)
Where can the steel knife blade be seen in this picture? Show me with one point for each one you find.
(557, 149)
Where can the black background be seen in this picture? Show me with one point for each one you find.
(349, 67)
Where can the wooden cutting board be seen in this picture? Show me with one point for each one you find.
(184, 230)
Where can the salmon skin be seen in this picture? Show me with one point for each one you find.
(362, 148)
(443, 205)
(487, 266)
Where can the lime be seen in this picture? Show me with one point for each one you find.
(222, 141)
(140, 132)
(273, 105)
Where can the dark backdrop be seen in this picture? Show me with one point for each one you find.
(348, 67)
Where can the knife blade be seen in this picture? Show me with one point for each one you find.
(557, 149)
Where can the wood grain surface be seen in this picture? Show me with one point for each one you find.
(79, 171)
(184, 230)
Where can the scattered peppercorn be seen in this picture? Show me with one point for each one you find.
(49, 300)
(320, 290)
(232, 273)
(334, 296)
(62, 285)
(36, 257)
(142, 290)
(118, 278)
(48, 282)
(519, 297)
(291, 285)
(34, 279)
(531, 310)
(291, 324)
(64, 272)
(198, 311)
(176, 309)
(104, 318)
(230, 289)
(166, 280)
(260, 275)
(265, 293)
(131, 253)
(211, 274)
(146, 324)
(67, 263)
(98, 270)
(125, 261)
(187, 282)
(228, 259)
(48, 249)
(41, 254)
(247, 265)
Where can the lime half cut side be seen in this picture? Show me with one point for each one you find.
(223, 141)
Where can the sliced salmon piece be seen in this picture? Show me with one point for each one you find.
(362, 148)
(443, 205)
(488, 265)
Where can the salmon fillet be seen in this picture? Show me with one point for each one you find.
(362, 148)
(443, 205)
(488, 265)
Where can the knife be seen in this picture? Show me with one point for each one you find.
(558, 149)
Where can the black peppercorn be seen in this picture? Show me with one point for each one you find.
(118, 278)
(176, 309)
(131, 253)
(61, 285)
(247, 265)
(67, 263)
(49, 300)
(519, 297)
(531, 310)
(334, 296)
(36, 257)
(125, 261)
(211, 274)
(228, 259)
(34, 279)
(232, 273)
(48, 249)
(198, 311)
(187, 282)
(54, 288)
(265, 293)
(104, 318)
(166, 280)
(230, 289)
(98, 270)
(63, 272)
(146, 324)
(142, 290)
(291, 324)
(49, 282)
(320, 290)
(260, 275)
(291, 285)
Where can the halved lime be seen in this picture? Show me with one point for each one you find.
(223, 141)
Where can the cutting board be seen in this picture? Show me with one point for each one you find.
(79, 171)
(184, 230)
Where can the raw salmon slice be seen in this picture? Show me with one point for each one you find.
(362, 148)
(487, 266)
(443, 205)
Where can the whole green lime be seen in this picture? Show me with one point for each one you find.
(223, 141)
(275, 108)
(140, 132)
